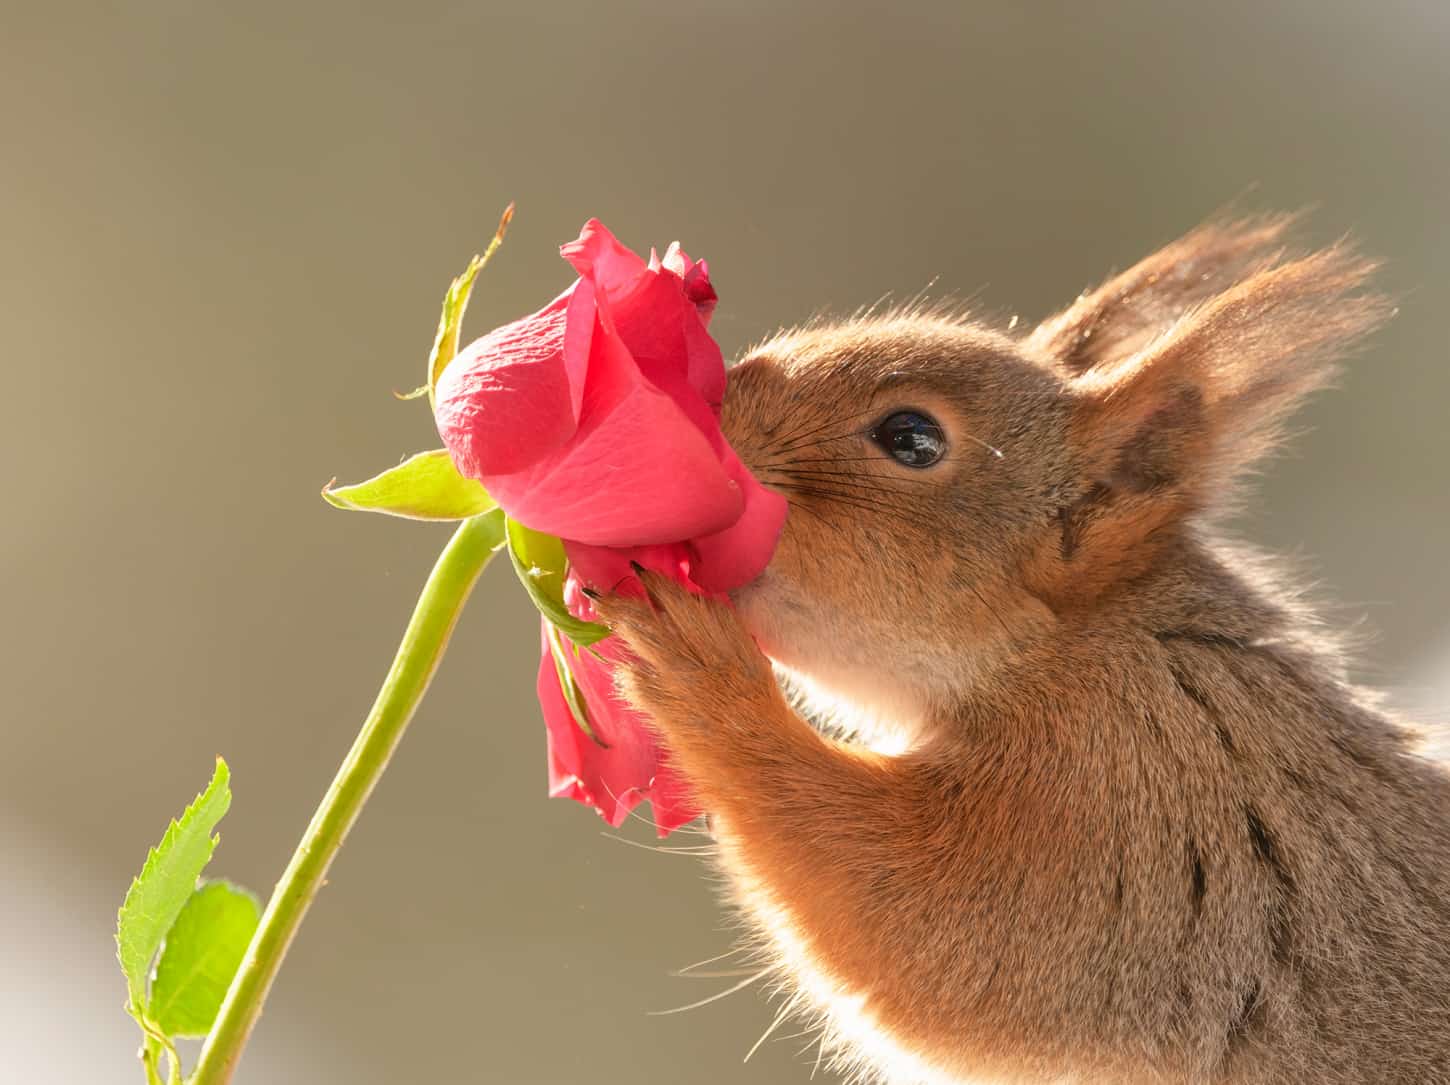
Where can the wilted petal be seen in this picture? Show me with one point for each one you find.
(701, 291)
(675, 259)
(695, 279)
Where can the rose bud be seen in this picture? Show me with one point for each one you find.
(596, 419)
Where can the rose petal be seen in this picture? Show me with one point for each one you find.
(738, 554)
(638, 471)
(578, 341)
(630, 733)
(700, 290)
(676, 259)
(695, 276)
(671, 797)
(608, 569)
(660, 309)
(609, 779)
(562, 733)
(655, 322)
(704, 365)
(509, 399)
(598, 256)
(616, 776)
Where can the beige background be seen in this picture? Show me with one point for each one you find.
(224, 233)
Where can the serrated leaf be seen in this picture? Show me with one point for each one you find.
(540, 563)
(423, 487)
(167, 879)
(203, 949)
(455, 302)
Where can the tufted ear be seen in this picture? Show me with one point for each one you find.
(1124, 314)
(1187, 413)
(1163, 431)
(1182, 373)
(1165, 419)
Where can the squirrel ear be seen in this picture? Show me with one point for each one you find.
(1187, 413)
(1124, 314)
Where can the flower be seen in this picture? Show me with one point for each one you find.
(596, 419)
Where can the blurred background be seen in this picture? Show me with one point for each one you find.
(226, 232)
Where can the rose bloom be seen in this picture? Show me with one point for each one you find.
(596, 419)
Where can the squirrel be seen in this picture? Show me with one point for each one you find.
(1110, 809)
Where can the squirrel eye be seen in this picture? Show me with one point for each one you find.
(911, 437)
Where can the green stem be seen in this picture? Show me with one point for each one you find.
(150, 1056)
(424, 641)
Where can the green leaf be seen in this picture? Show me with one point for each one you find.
(455, 302)
(540, 563)
(573, 695)
(203, 949)
(424, 487)
(168, 878)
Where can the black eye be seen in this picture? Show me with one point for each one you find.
(911, 438)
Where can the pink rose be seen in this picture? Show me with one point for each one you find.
(596, 419)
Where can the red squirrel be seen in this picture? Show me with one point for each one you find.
(1109, 810)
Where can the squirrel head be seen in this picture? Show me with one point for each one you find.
(959, 491)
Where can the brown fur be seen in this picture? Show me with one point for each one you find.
(1141, 830)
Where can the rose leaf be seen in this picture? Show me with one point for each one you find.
(202, 952)
(158, 894)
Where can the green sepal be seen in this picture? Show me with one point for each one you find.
(423, 487)
(455, 302)
(540, 563)
(573, 695)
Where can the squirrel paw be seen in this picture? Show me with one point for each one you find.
(694, 665)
